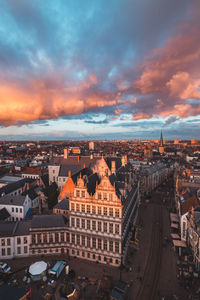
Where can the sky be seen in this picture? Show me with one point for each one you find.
(99, 69)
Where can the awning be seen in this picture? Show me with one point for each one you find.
(178, 243)
(175, 236)
(173, 225)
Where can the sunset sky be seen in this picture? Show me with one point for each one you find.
(99, 69)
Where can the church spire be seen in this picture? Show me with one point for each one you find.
(161, 140)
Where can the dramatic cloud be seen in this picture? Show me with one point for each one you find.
(72, 58)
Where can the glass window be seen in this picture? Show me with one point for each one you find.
(99, 210)
(93, 209)
(111, 212)
(88, 255)
(99, 225)
(105, 244)
(73, 238)
(110, 245)
(110, 197)
(20, 210)
(105, 211)
(117, 247)
(8, 242)
(33, 238)
(117, 212)
(105, 226)
(105, 196)
(77, 193)
(88, 209)
(3, 251)
(88, 224)
(56, 237)
(83, 194)
(50, 237)
(12, 209)
(83, 253)
(78, 239)
(25, 249)
(93, 225)
(25, 240)
(93, 242)
(72, 206)
(78, 222)
(8, 251)
(18, 250)
(18, 240)
(99, 196)
(83, 223)
(111, 227)
(83, 208)
(62, 236)
(77, 207)
(44, 238)
(16, 209)
(93, 256)
(83, 240)
(72, 222)
(99, 244)
(88, 241)
(117, 228)
(68, 237)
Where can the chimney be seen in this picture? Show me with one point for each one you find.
(65, 153)
(91, 156)
(113, 167)
(69, 174)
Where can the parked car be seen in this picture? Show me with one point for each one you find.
(4, 268)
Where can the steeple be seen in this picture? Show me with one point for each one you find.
(161, 140)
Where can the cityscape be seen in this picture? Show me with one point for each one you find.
(99, 150)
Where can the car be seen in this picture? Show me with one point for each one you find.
(4, 268)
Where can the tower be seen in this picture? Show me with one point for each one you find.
(161, 144)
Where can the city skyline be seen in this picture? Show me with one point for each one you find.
(95, 71)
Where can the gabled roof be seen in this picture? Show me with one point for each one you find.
(4, 214)
(13, 200)
(93, 180)
(188, 204)
(117, 162)
(9, 188)
(64, 204)
(31, 193)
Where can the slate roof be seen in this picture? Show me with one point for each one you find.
(93, 180)
(64, 204)
(4, 214)
(9, 188)
(22, 228)
(45, 179)
(117, 162)
(75, 161)
(64, 169)
(12, 200)
(47, 221)
(31, 193)
(7, 228)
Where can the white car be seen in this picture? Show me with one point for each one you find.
(4, 268)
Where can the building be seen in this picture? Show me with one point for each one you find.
(161, 144)
(91, 146)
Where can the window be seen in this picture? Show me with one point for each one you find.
(25, 249)
(117, 247)
(99, 226)
(16, 209)
(25, 240)
(111, 212)
(50, 237)
(99, 196)
(88, 209)
(105, 211)
(105, 226)
(77, 207)
(111, 197)
(56, 237)
(78, 222)
(73, 238)
(62, 236)
(99, 257)
(117, 228)
(78, 239)
(53, 171)
(8, 242)
(83, 240)
(3, 251)
(105, 244)
(83, 223)
(111, 227)
(83, 254)
(33, 238)
(93, 209)
(83, 208)
(117, 212)
(63, 179)
(110, 245)
(12, 209)
(18, 250)
(116, 261)
(93, 256)
(77, 252)
(72, 222)
(105, 196)
(77, 193)
(20, 210)
(44, 238)
(99, 210)
(68, 237)
(72, 206)
(93, 242)
(88, 241)
(88, 255)
(18, 240)
(99, 244)
(93, 225)
(83, 194)
(8, 251)
(88, 224)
